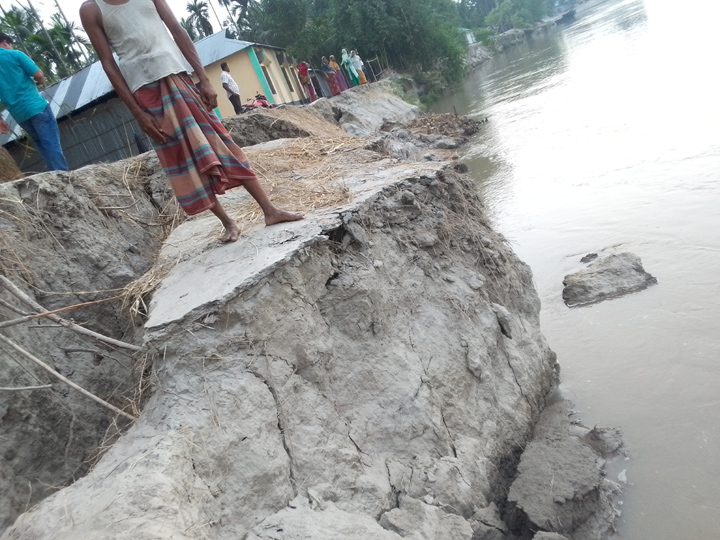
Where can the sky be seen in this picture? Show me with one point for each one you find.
(46, 8)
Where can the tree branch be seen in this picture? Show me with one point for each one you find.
(21, 388)
(5, 282)
(28, 318)
(64, 379)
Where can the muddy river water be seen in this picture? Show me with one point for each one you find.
(604, 135)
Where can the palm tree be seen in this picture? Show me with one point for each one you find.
(58, 50)
(19, 23)
(198, 10)
(189, 28)
(245, 15)
(70, 30)
(42, 53)
(68, 45)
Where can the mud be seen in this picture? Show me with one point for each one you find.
(374, 370)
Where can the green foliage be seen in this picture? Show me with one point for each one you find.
(199, 18)
(509, 14)
(284, 20)
(312, 43)
(486, 36)
(502, 15)
(244, 19)
(410, 35)
(406, 89)
(189, 28)
(473, 12)
(419, 35)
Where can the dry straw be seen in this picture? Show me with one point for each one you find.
(8, 168)
(303, 175)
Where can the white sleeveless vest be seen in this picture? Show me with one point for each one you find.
(145, 49)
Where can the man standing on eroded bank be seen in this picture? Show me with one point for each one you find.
(199, 157)
(18, 92)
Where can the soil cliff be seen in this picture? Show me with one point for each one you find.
(375, 370)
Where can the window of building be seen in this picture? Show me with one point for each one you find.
(287, 79)
(269, 80)
(297, 81)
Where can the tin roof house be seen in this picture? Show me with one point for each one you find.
(95, 126)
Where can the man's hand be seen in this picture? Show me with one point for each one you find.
(208, 95)
(39, 78)
(4, 127)
(152, 127)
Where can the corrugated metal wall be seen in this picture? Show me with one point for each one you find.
(103, 133)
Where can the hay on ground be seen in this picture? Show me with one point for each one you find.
(8, 168)
(303, 175)
(446, 124)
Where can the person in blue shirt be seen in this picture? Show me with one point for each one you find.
(18, 92)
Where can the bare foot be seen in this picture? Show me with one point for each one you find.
(281, 216)
(231, 234)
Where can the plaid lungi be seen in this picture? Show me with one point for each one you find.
(199, 156)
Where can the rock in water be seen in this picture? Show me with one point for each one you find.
(605, 278)
(561, 487)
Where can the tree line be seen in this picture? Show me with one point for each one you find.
(502, 15)
(412, 35)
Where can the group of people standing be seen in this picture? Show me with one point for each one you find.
(350, 72)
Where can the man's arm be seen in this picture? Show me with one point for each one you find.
(39, 78)
(91, 19)
(4, 127)
(187, 48)
(29, 67)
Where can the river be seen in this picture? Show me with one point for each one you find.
(604, 136)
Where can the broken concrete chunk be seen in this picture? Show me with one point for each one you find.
(504, 319)
(299, 522)
(542, 535)
(557, 488)
(560, 487)
(488, 525)
(448, 143)
(475, 282)
(608, 277)
(419, 521)
(426, 239)
(407, 197)
(605, 441)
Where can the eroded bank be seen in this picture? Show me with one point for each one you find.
(375, 370)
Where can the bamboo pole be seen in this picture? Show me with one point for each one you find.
(5, 282)
(47, 36)
(22, 388)
(72, 36)
(64, 379)
(27, 318)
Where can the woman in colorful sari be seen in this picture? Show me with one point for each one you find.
(349, 68)
(330, 76)
(339, 75)
(358, 65)
(305, 80)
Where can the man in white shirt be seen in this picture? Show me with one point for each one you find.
(231, 87)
